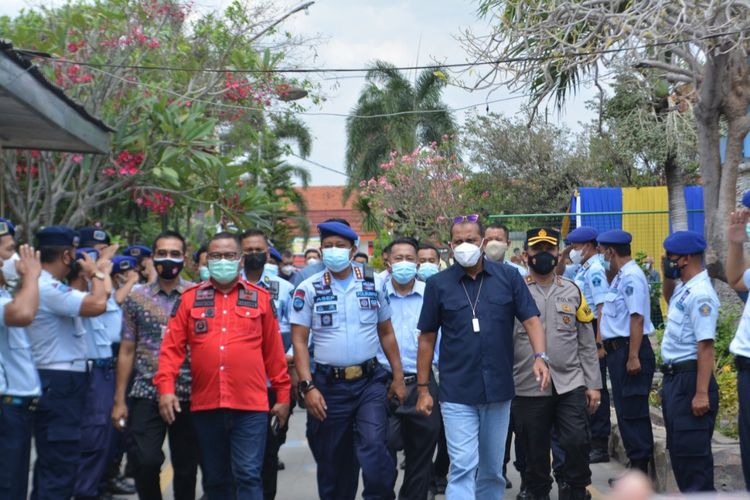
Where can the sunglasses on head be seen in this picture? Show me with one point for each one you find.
(465, 218)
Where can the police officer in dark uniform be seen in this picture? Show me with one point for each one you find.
(690, 395)
(348, 314)
(59, 348)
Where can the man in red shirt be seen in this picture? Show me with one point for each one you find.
(231, 328)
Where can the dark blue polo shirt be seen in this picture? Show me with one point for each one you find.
(476, 368)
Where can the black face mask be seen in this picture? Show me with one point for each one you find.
(671, 268)
(543, 263)
(168, 269)
(75, 268)
(254, 261)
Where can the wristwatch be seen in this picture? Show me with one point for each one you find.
(542, 355)
(304, 386)
(99, 275)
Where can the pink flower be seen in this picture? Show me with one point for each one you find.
(76, 158)
(362, 184)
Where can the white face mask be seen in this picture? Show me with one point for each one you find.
(288, 269)
(467, 254)
(312, 262)
(576, 255)
(495, 250)
(10, 275)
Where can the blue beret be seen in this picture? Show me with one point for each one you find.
(57, 236)
(685, 243)
(746, 199)
(615, 237)
(137, 251)
(337, 229)
(121, 263)
(7, 227)
(582, 234)
(91, 236)
(92, 252)
(275, 254)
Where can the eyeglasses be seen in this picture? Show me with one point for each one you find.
(465, 218)
(225, 256)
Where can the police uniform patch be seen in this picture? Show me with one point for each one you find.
(175, 307)
(321, 287)
(705, 310)
(325, 298)
(596, 281)
(201, 326)
(209, 313)
(204, 298)
(326, 319)
(566, 308)
(299, 300)
(273, 287)
(628, 290)
(247, 298)
(374, 304)
(364, 303)
(273, 309)
(367, 293)
(368, 285)
(566, 319)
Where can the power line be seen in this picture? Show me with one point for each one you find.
(365, 70)
(319, 165)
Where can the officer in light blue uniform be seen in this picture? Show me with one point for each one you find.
(348, 314)
(20, 386)
(58, 345)
(142, 255)
(625, 324)
(592, 280)
(690, 395)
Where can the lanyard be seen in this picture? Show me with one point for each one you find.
(474, 319)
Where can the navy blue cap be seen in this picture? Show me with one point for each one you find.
(137, 251)
(337, 229)
(91, 236)
(746, 198)
(91, 251)
(582, 234)
(685, 243)
(122, 263)
(275, 254)
(57, 236)
(7, 227)
(615, 237)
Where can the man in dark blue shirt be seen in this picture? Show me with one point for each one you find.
(475, 304)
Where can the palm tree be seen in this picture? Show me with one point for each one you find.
(417, 116)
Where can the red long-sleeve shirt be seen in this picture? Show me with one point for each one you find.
(235, 347)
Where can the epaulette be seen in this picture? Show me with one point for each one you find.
(529, 280)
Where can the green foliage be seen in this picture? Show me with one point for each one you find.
(726, 419)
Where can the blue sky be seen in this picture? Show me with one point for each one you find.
(355, 32)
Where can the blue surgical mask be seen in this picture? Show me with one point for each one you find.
(271, 269)
(336, 259)
(205, 275)
(607, 265)
(427, 269)
(403, 272)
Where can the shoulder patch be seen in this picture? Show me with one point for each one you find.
(629, 290)
(705, 310)
(176, 306)
(299, 300)
(596, 281)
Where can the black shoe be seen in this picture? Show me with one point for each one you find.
(524, 494)
(568, 492)
(280, 465)
(598, 456)
(120, 486)
(508, 484)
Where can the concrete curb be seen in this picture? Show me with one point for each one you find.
(727, 462)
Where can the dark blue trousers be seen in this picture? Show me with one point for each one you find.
(599, 422)
(15, 450)
(353, 434)
(232, 443)
(688, 436)
(743, 392)
(630, 395)
(96, 431)
(57, 434)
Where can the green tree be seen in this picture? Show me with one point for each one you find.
(417, 117)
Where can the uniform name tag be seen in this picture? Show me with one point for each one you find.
(326, 308)
(368, 293)
(247, 298)
(325, 298)
(367, 285)
(204, 298)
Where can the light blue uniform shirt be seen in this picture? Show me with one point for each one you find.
(103, 330)
(592, 280)
(405, 310)
(740, 345)
(522, 270)
(21, 377)
(54, 336)
(627, 295)
(692, 316)
(343, 320)
(281, 293)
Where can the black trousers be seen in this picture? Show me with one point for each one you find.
(147, 431)
(270, 471)
(534, 419)
(417, 435)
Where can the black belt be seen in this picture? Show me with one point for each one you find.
(410, 378)
(611, 345)
(742, 363)
(349, 373)
(681, 367)
(29, 402)
(101, 363)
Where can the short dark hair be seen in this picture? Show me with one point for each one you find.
(405, 240)
(623, 250)
(201, 250)
(387, 248)
(254, 232)
(498, 225)
(287, 253)
(225, 235)
(312, 250)
(362, 254)
(169, 234)
(52, 253)
(429, 246)
(478, 223)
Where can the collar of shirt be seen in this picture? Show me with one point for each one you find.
(459, 272)
(155, 288)
(418, 288)
(701, 276)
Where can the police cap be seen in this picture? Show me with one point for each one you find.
(275, 254)
(57, 236)
(80, 252)
(615, 237)
(746, 198)
(327, 229)
(91, 236)
(542, 235)
(7, 227)
(685, 243)
(122, 263)
(137, 251)
(582, 234)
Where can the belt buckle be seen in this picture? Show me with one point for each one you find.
(352, 372)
